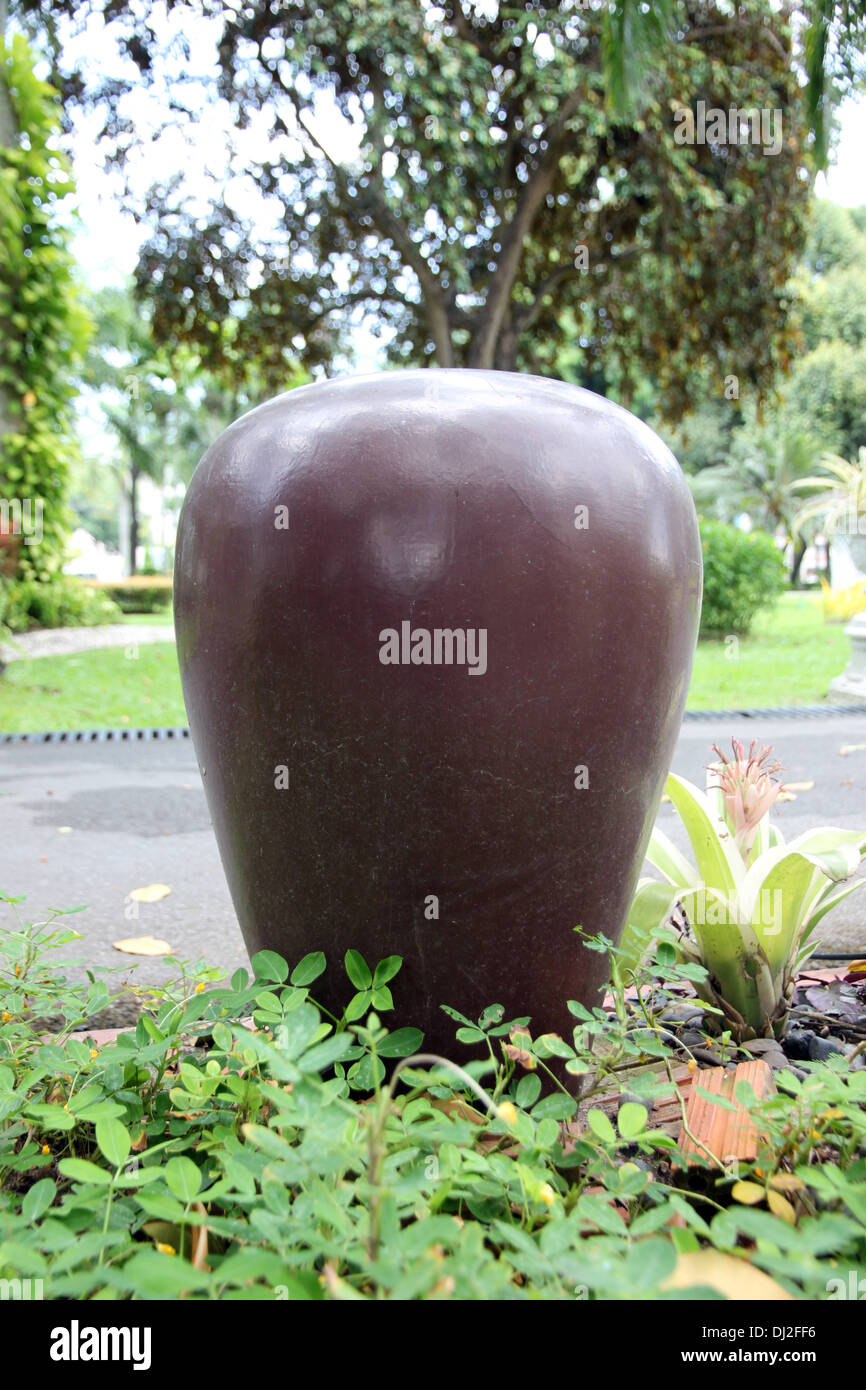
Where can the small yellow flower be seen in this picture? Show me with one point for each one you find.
(165, 1249)
(46, 1149)
(18, 970)
(832, 1114)
(507, 1112)
(693, 1066)
(547, 1194)
(93, 1052)
(816, 1134)
(5, 1016)
(199, 989)
(759, 1172)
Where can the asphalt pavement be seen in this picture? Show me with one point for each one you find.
(88, 822)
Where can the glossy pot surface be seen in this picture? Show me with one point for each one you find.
(435, 631)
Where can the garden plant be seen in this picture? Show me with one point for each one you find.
(751, 901)
(242, 1143)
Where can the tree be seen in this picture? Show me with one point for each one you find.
(163, 410)
(825, 392)
(497, 190)
(760, 476)
(43, 331)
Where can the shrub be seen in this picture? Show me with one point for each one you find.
(743, 572)
(141, 593)
(58, 602)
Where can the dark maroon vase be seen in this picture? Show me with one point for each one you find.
(435, 630)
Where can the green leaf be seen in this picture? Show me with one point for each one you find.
(720, 865)
(358, 970)
(308, 969)
(161, 1205)
(631, 1120)
(113, 1141)
(340, 1047)
(403, 1042)
(546, 1134)
(650, 907)
(381, 999)
(555, 1107)
(297, 1030)
(358, 1005)
(663, 854)
(601, 1126)
(38, 1199)
(528, 1090)
(183, 1178)
(82, 1170)
(386, 970)
(153, 1275)
(269, 966)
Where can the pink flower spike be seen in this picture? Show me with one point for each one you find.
(748, 788)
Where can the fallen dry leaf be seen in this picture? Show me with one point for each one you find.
(787, 1182)
(786, 796)
(798, 786)
(748, 1193)
(736, 1279)
(780, 1206)
(851, 748)
(151, 893)
(143, 946)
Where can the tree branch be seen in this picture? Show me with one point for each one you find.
(390, 225)
(534, 193)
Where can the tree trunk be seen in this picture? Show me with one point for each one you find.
(800, 548)
(133, 517)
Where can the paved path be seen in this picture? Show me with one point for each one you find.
(137, 815)
(60, 641)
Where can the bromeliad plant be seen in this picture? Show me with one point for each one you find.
(751, 901)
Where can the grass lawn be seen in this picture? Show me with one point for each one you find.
(790, 659)
(102, 689)
(162, 617)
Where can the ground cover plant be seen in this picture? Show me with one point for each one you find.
(242, 1143)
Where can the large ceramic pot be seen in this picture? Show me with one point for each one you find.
(435, 630)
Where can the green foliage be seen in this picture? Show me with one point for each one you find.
(42, 326)
(835, 239)
(483, 142)
(752, 902)
(207, 1156)
(825, 394)
(139, 594)
(743, 572)
(59, 601)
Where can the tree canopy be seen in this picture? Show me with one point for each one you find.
(498, 201)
